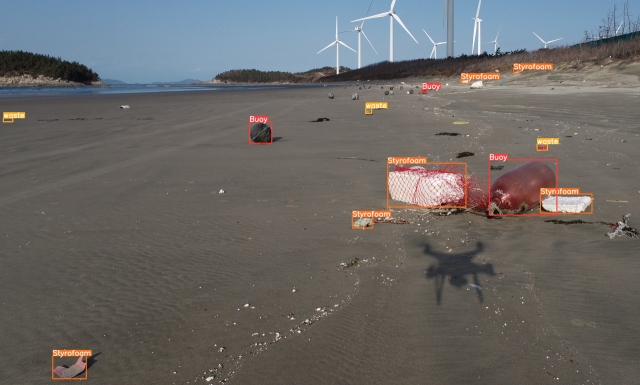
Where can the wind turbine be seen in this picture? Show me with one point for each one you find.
(496, 46)
(337, 48)
(392, 15)
(476, 26)
(619, 28)
(434, 51)
(546, 43)
(361, 31)
(449, 15)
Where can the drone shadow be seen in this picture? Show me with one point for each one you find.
(455, 268)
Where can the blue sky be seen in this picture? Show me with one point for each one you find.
(146, 41)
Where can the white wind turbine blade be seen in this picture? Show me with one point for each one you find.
(400, 22)
(432, 51)
(428, 36)
(365, 15)
(365, 36)
(475, 27)
(344, 45)
(619, 27)
(327, 47)
(554, 40)
(540, 38)
(392, 4)
(478, 13)
(372, 17)
(498, 33)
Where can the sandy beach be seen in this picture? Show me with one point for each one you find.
(116, 238)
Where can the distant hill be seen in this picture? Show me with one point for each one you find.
(185, 81)
(112, 81)
(257, 77)
(18, 63)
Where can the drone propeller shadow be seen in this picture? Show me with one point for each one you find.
(455, 268)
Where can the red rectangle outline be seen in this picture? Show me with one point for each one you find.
(466, 195)
(268, 121)
(520, 215)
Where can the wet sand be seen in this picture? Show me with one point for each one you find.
(116, 239)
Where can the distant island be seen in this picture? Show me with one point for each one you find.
(20, 69)
(273, 77)
(185, 81)
(112, 81)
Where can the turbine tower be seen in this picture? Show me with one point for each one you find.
(496, 46)
(449, 15)
(361, 31)
(337, 42)
(546, 43)
(434, 51)
(476, 25)
(392, 15)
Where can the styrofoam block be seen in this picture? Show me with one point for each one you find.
(425, 190)
(476, 85)
(566, 204)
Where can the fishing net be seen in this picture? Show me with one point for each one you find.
(444, 186)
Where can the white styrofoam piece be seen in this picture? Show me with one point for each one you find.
(476, 85)
(424, 190)
(566, 204)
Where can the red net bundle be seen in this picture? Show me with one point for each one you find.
(447, 186)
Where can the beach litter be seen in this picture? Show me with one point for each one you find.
(464, 154)
(623, 228)
(71, 371)
(221, 191)
(448, 133)
(260, 133)
(355, 96)
(497, 167)
(566, 204)
(321, 120)
(411, 91)
(427, 188)
(476, 85)
(346, 265)
(460, 122)
(330, 96)
(391, 92)
(386, 92)
(125, 106)
(363, 222)
(518, 191)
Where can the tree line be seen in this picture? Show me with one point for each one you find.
(257, 76)
(16, 63)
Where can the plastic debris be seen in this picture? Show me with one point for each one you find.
(321, 120)
(476, 85)
(566, 204)
(448, 133)
(355, 96)
(518, 191)
(464, 154)
(125, 106)
(391, 92)
(421, 187)
(386, 92)
(221, 191)
(502, 84)
(363, 222)
(71, 371)
(623, 228)
(260, 133)
(411, 91)
(330, 96)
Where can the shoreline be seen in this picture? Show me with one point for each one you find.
(43, 81)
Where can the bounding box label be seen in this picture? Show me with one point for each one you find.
(430, 86)
(548, 141)
(517, 67)
(376, 106)
(7, 117)
(407, 160)
(560, 191)
(371, 214)
(466, 77)
(498, 156)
